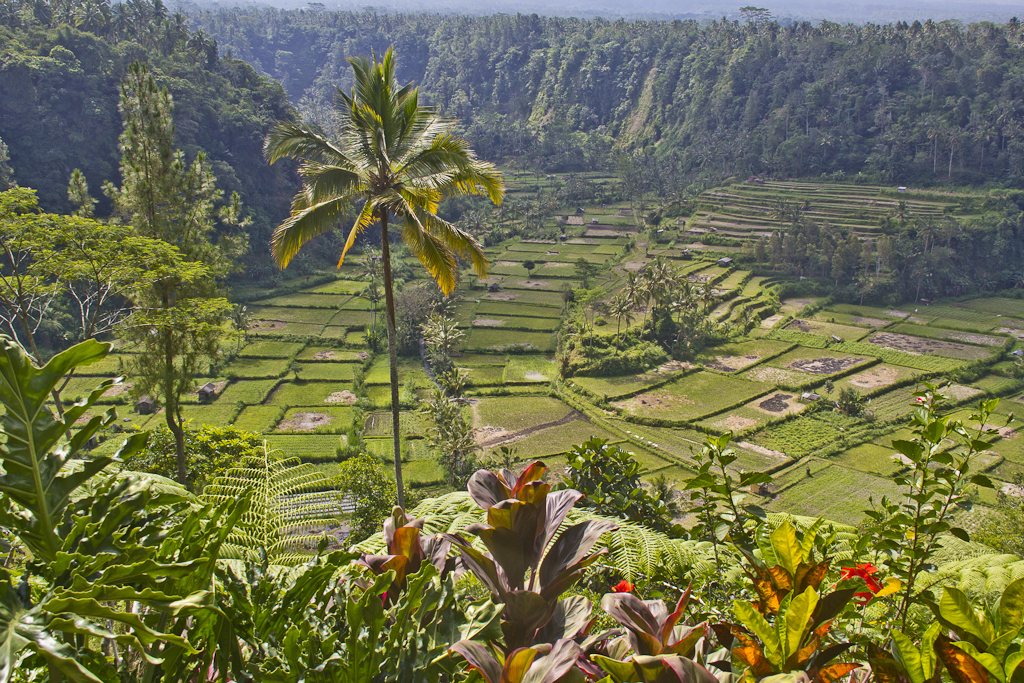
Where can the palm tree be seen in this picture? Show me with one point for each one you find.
(397, 159)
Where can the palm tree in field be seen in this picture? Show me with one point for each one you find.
(390, 157)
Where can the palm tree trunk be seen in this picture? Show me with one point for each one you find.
(389, 299)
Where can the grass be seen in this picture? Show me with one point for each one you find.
(107, 367)
(379, 424)
(530, 369)
(693, 397)
(334, 372)
(871, 458)
(304, 393)
(516, 308)
(518, 413)
(831, 491)
(270, 349)
(248, 392)
(950, 335)
(482, 338)
(485, 375)
(313, 446)
(261, 419)
(805, 434)
(290, 330)
(512, 322)
(380, 371)
(558, 440)
(318, 316)
(257, 368)
(844, 332)
(346, 318)
(617, 387)
(329, 355)
(215, 415)
(339, 287)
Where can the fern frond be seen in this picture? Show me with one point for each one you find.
(290, 508)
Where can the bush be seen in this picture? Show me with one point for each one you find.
(365, 483)
(210, 452)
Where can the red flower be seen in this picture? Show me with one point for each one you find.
(623, 587)
(866, 572)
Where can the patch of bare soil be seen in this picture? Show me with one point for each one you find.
(304, 422)
(875, 377)
(119, 390)
(551, 253)
(535, 376)
(502, 296)
(606, 232)
(634, 265)
(82, 420)
(535, 241)
(733, 363)
(770, 321)
(487, 322)
(699, 277)
(487, 435)
(983, 339)
(1008, 433)
(824, 365)
(662, 400)
(960, 393)
(797, 304)
(536, 284)
(507, 263)
(325, 355)
(343, 397)
(1019, 334)
(799, 326)
(1012, 490)
(672, 366)
(910, 344)
(577, 240)
(776, 404)
(267, 325)
(762, 450)
(735, 423)
(874, 322)
(917, 320)
(898, 314)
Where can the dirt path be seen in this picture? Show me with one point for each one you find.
(504, 437)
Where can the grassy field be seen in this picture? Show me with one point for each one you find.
(692, 397)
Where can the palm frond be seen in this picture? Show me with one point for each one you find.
(305, 223)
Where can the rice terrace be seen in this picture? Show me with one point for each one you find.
(780, 353)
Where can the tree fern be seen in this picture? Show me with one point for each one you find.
(289, 508)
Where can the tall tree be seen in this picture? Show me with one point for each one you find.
(396, 158)
(177, 323)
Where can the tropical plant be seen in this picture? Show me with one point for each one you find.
(93, 572)
(609, 478)
(177, 321)
(363, 482)
(452, 438)
(398, 159)
(407, 550)
(904, 536)
(543, 663)
(523, 516)
(292, 508)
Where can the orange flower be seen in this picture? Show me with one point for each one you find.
(623, 587)
(866, 572)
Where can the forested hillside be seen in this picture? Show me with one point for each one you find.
(922, 103)
(59, 90)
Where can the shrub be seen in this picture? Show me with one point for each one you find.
(364, 481)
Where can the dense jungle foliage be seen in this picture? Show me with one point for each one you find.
(59, 104)
(921, 103)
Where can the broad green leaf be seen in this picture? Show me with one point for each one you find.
(956, 608)
(798, 616)
(759, 626)
(910, 657)
(1011, 607)
(787, 548)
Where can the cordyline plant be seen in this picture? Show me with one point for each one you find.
(407, 550)
(524, 567)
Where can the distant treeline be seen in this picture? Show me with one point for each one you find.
(907, 103)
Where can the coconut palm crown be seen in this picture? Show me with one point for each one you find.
(390, 157)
